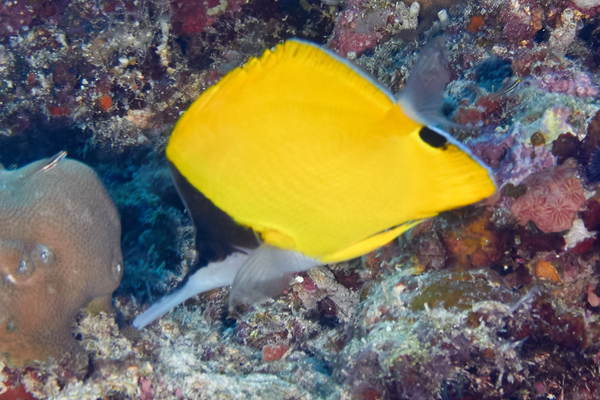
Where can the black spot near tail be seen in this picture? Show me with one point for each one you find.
(432, 138)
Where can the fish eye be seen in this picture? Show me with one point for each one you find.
(432, 138)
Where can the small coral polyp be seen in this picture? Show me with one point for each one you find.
(59, 251)
(552, 199)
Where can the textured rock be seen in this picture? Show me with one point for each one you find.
(59, 250)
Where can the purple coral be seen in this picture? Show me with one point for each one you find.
(360, 27)
(357, 31)
(575, 84)
(552, 199)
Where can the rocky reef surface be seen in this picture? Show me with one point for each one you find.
(499, 300)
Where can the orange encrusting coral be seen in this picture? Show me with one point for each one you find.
(474, 246)
(475, 23)
(274, 352)
(545, 270)
(58, 111)
(105, 102)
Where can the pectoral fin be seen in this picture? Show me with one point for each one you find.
(266, 273)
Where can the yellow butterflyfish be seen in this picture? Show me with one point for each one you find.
(298, 158)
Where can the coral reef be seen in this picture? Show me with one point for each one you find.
(59, 250)
(580, 85)
(476, 303)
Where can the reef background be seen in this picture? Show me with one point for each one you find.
(498, 300)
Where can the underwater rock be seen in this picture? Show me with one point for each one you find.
(360, 27)
(59, 250)
(565, 146)
(575, 84)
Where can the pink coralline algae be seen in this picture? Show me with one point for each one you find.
(356, 31)
(491, 153)
(192, 17)
(517, 24)
(521, 161)
(359, 27)
(484, 110)
(565, 82)
(552, 199)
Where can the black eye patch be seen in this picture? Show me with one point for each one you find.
(432, 138)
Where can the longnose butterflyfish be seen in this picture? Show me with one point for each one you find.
(298, 158)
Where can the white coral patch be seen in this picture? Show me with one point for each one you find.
(578, 233)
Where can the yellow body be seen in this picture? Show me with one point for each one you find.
(316, 158)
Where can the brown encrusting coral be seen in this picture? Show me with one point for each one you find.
(59, 250)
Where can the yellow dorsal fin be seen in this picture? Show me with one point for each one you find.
(330, 73)
(335, 84)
